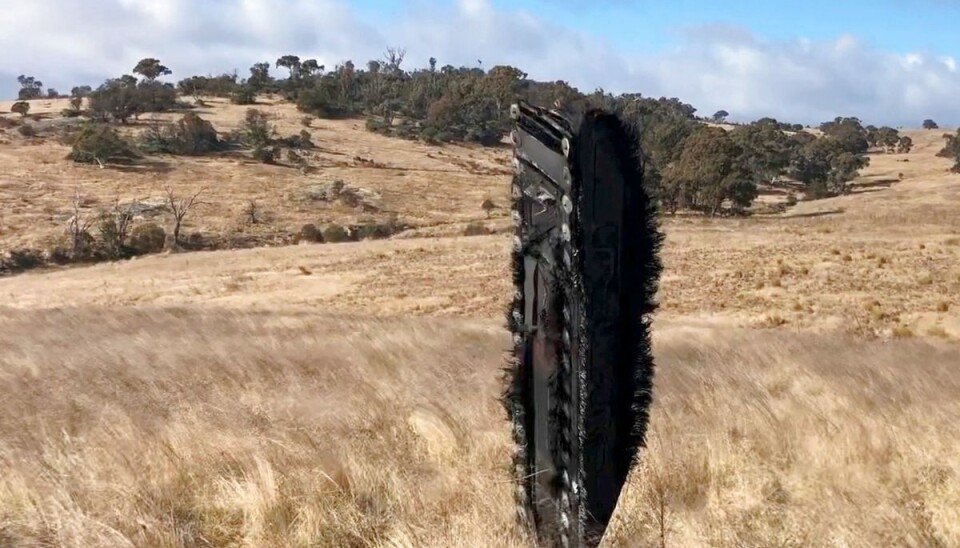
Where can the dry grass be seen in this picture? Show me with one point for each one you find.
(184, 427)
(424, 186)
(188, 428)
(781, 440)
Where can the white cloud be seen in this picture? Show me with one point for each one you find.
(68, 43)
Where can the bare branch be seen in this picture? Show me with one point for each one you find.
(179, 207)
(252, 212)
(80, 223)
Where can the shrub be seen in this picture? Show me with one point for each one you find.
(377, 230)
(301, 141)
(377, 125)
(27, 130)
(21, 108)
(21, 259)
(189, 136)
(101, 144)
(244, 95)
(476, 228)
(258, 133)
(324, 101)
(310, 233)
(256, 129)
(147, 238)
(334, 233)
(120, 99)
(219, 86)
(266, 154)
(153, 96)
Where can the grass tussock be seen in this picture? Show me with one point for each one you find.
(180, 427)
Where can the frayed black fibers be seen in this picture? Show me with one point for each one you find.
(619, 290)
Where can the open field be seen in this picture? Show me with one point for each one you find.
(346, 394)
(198, 426)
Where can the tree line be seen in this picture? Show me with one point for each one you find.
(689, 164)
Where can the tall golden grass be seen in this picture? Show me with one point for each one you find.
(188, 427)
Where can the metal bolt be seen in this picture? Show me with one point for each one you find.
(567, 204)
(567, 176)
(565, 230)
(565, 147)
(514, 111)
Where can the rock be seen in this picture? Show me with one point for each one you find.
(348, 195)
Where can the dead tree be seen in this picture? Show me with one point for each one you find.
(252, 212)
(179, 207)
(80, 224)
(115, 225)
(394, 58)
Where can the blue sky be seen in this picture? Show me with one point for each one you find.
(646, 26)
(889, 61)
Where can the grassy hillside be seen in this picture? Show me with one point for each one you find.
(425, 187)
(345, 395)
(198, 426)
